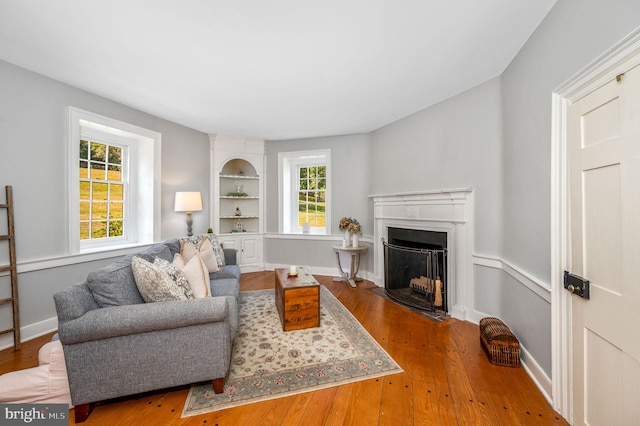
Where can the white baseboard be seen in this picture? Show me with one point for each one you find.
(30, 332)
(539, 377)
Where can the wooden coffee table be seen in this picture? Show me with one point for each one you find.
(297, 299)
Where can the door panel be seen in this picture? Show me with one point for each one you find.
(602, 383)
(602, 234)
(594, 133)
(604, 203)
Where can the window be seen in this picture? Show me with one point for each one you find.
(114, 184)
(103, 184)
(304, 191)
(312, 188)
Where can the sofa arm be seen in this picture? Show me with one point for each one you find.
(230, 256)
(118, 321)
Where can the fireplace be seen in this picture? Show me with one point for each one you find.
(446, 213)
(415, 268)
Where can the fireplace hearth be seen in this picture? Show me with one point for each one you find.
(415, 269)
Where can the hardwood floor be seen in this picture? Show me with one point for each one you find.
(447, 379)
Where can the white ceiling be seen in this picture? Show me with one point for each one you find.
(273, 69)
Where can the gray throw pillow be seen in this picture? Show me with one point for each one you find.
(114, 285)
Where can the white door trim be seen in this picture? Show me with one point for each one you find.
(621, 57)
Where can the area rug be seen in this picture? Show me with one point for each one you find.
(267, 363)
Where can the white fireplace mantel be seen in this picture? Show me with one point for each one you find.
(447, 210)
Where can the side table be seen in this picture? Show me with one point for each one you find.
(355, 253)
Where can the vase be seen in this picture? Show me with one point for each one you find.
(355, 240)
(346, 241)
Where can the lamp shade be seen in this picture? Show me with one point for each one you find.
(188, 202)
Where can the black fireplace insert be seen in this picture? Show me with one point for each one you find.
(415, 266)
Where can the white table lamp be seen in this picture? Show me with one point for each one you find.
(188, 202)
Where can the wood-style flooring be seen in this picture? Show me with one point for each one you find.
(447, 379)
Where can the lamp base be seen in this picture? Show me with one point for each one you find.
(189, 224)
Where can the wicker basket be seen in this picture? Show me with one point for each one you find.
(499, 343)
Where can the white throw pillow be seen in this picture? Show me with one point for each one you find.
(205, 249)
(197, 274)
(208, 255)
(153, 283)
(179, 262)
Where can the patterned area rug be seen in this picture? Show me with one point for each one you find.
(267, 363)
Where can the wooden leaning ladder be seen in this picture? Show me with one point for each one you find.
(11, 268)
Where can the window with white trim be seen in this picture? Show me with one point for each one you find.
(114, 183)
(304, 190)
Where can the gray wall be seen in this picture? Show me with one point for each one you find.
(454, 144)
(33, 158)
(573, 34)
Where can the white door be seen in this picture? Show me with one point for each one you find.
(604, 204)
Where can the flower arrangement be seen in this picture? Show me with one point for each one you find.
(351, 225)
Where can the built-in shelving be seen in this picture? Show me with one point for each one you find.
(237, 168)
(238, 176)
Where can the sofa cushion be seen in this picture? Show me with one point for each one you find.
(153, 283)
(173, 244)
(197, 274)
(114, 285)
(225, 287)
(227, 271)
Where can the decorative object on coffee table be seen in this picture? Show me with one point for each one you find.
(499, 343)
(355, 252)
(297, 296)
(268, 363)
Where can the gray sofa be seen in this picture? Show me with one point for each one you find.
(116, 345)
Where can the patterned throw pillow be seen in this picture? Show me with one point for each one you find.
(176, 275)
(197, 274)
(153, 283)
(217, 249)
